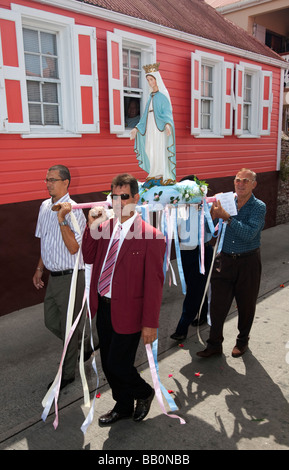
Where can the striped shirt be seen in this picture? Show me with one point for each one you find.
(54, 253)
(244, 232)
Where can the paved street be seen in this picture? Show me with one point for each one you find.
(230, 404)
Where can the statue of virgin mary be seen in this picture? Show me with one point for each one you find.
(154, 135)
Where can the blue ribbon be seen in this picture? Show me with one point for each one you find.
(165, 232)
(178, 252)
(144, 213)
(168, 397)
(223, 230)
(208, 217)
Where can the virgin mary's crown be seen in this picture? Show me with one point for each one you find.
(151, 67)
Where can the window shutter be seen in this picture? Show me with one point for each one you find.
(115, 83)
(266, 102)
(195, 94)
(87, 94)
(13, 94)
(227, 98)
(239, 91)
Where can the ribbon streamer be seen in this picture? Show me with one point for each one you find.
(207, 287)
(157, 384)
(168, 397)
(53, 392)
(89, 418)
(178, 251)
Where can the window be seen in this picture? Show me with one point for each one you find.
(49, 72)
(247, 111)
(42, 77)
(212, 95)
(253, 100)
(128, 90)
(206, 97)
(131, 86)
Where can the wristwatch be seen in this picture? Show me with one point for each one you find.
(63, 223)
(229, 220)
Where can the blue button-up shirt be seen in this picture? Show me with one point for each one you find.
(244, 232)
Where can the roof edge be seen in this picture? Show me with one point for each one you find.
(120, 18)
(240, 5)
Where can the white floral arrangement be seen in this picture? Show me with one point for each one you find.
(184, 192)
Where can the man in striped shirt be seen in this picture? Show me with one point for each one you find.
(59, 247)
(237, 269)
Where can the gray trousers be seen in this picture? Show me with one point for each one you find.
(55, 313)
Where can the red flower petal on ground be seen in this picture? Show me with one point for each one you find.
(98, 395)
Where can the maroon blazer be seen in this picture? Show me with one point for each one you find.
(138, 279)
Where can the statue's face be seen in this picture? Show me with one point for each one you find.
(152, 82)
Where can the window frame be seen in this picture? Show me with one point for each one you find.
(261, 105)
(147, 47)
(72, 81)
(41, 80)
(60, 25)
(222, 99)
(255, 71)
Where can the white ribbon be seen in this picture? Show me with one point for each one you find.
(53, 392)
(157, 384)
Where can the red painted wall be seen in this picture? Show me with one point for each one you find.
(95, 159)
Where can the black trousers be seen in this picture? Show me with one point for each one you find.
(237, 277)
(195, 283)
(118, 353)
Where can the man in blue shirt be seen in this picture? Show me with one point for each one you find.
(237, 269)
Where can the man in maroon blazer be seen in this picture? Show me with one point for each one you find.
(130, 307)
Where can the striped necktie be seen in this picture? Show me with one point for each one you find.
(106, 275)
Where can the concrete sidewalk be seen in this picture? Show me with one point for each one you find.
(232, 403)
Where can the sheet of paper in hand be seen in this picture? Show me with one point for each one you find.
(228, 202)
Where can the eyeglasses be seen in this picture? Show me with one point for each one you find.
(52, 180)
(123, 197)
(242, 180)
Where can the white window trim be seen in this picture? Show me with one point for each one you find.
(216, 61)
(39, 19)
(255, 70)
(147, 46)
(66, 30)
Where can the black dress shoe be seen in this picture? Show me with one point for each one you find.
(64, 383)
(178, 337)
(111, 417)
(142, 407)
(208, 352)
